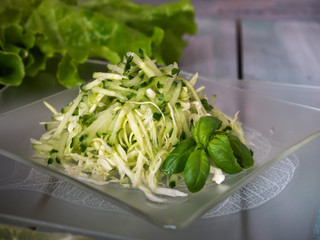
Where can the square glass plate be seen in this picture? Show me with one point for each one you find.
(277, 128)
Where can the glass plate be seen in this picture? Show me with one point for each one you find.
(284, 126)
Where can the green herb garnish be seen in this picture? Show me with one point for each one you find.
(192, 156)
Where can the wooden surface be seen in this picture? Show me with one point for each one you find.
(259, 9)
(282, 51)
(212, 52)
(279, 51)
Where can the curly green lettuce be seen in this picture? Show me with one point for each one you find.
(33, 31)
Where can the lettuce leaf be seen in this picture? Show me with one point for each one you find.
(12, 69)
(175, 19)
(37, 30)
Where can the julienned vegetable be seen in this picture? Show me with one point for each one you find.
(143, 126)
(31, 32)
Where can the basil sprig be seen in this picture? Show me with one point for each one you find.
(192, 156)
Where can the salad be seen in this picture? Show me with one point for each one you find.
(143, 126)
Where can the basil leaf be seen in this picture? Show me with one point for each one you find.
(196, 170)
(220, 151)
(176, 160)
(241, 152)
(205, 128)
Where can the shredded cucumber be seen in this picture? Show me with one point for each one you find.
(124, 123)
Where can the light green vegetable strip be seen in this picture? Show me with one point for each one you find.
(123, 124)
(68, 115)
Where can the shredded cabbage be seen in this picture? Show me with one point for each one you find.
(124, 123)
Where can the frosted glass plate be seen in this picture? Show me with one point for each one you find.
(280, 128)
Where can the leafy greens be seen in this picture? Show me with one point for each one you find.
(32, 31)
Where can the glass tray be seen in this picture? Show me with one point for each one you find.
(285, 126)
